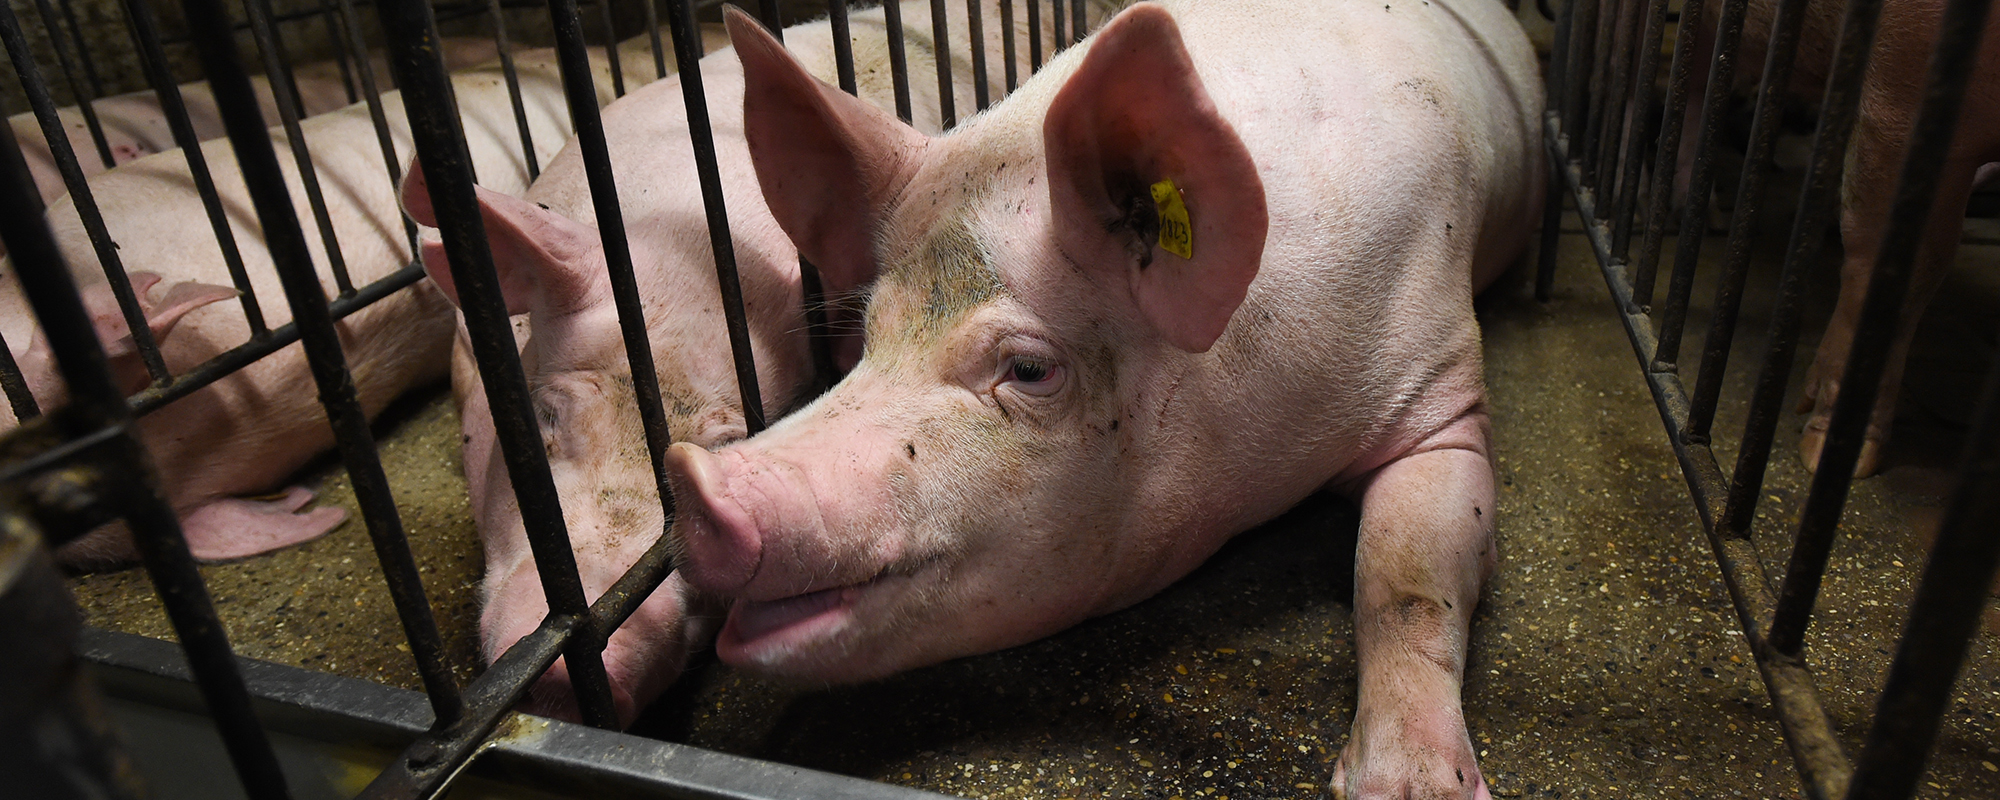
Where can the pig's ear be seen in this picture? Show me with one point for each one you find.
(546, 261)
(121, 351)
(1133, 115)
(830, 165)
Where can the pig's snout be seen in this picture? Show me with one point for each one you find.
(720, 546)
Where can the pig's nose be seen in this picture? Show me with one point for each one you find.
(719, 543)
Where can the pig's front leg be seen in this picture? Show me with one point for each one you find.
(1426, 546)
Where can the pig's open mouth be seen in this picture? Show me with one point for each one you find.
(763, 628)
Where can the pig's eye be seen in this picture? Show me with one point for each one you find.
(1033, 375)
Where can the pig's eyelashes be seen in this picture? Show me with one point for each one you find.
(1034, 376)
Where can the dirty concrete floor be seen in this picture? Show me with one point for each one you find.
(1605, 659)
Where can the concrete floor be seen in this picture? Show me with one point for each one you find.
(1605, 658)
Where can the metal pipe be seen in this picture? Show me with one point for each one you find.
(1007, 44)
(1666, 157)
(610, 50)
(899, 62)
(1701, 182)
(278, 71)
(378, 116)
(1059, 21)
(843, 45)
(941, 55)
(513, 79)
(1034, 35)
(1641, 133)
(975, 32)
(85, 93)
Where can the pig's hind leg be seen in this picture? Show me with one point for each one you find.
(237, 527)
(1425, 548)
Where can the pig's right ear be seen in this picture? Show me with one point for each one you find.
(1149, 185)
(830, 165)
(546, 262)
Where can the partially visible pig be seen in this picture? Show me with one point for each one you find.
(135, 125)
(1194, 271)
(1891, 93)
(247, 431)
(551, 261)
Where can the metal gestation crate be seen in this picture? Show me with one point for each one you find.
(1614, 139)
(66, 471)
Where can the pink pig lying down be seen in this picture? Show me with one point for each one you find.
(1191, 273)
(551, 265)
(135, 125)
(245, 433)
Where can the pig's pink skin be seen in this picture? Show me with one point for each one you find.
(135, 126)
(1891, 94)
(1053, 419)
(575, 358)
(247, 432)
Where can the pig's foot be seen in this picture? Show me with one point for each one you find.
(234, 527)
(1817, 398)
(1409, 740)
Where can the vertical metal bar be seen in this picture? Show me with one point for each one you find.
(279, 73)
(1916, 194)
(1007, 44)
(611, 50)
(1944, 616)
(1545, 266)
(659, 49)
(843, 45)
(975, 32)
(86, 204)
(1642, 132)
(72, 340)
(513, 87)
(377, 115)
(941, 54)
(1059, 21)
(85, 99)
(152, 57)
(19, 398)
(1701, 183)
(1034, 36)
(82, 50)
(767, 13)
(1078, 25)
(1743, 223)
(1666, 157)
(1585, 144)
(1616, 113)
(1576, 72)
(688, 50)
(1818, 197)
(411, 35)
(899, 62)
(330, 16)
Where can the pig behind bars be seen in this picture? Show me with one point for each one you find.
(551, 264)
(1891, 94)
(1061, 408)
(249, 430)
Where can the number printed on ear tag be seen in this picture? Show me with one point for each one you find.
(1175, 235)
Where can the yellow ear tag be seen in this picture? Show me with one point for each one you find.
(1176, 236)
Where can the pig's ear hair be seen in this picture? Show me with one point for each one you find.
(1132, 115)
(546, 262)
(830, 164)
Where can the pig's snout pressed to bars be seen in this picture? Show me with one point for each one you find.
(719, 543)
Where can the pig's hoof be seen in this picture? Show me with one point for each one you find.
(1408, 770)
(1813, 440)
(235, 527)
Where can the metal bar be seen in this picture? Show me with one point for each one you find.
(1808, 730)
(659, 49)
(86, 205)
(1597, 97)
(19, 398)
(1617, 111)
(611, 50)
(1576, 79)
(1078, 25)
(82, 50)
(411, 35)
(1818, 197)
(1701, 183)
(580, 89)
(688, 49)
(1007, 44)
(843, 45)
(1944, 616)
(1034, 35)
(773, 21)
(1916, 193)
(278, 72)
(513, 79)
(1641, 134)
(1058, 20)
(975, 33)
(1743, 222)
(1666, 157)
(96, 401)
(941, 55)
(378, 116)
(12, 382)
(86, 99)
(1553, 78)
(899, 62)
(146, 39)
(336, 36)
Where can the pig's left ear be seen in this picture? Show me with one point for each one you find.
(830, 165)
(1134, 123)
